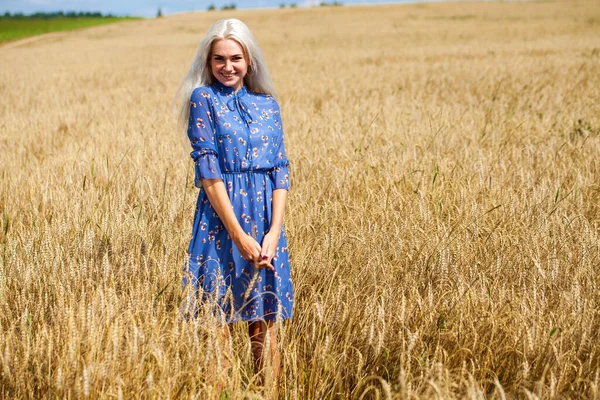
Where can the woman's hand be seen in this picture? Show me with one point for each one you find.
(269, 245)
(250, 250)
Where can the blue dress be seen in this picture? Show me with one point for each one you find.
(237, 137)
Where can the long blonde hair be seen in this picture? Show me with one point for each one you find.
(258, 80)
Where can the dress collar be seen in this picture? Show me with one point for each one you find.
(226, 90)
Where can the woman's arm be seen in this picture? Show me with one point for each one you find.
(279, 198)
(269, 244)
(281, 185)
(201, 132)
(246, 244)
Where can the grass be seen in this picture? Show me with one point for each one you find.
(443, 222)
(12, 29)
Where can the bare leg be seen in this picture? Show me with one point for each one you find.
(263, 341)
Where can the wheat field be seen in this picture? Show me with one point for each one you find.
(443, 222)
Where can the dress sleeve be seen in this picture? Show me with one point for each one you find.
(201, 133)
(280, 174)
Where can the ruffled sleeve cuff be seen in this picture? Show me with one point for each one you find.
(207, 166)
(281, 177)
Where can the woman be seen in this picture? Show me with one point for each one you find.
(238, 257)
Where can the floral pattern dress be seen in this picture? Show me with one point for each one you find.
(237, 137)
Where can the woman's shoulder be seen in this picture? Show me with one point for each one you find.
(263, 100)
(202, 96)
(202, 92)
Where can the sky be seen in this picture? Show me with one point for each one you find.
(148, 8)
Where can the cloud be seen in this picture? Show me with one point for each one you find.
(310, 3)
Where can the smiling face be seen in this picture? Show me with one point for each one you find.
(228, 63)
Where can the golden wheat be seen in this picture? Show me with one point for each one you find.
(444, 219)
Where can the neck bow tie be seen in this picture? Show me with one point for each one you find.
(242, 104)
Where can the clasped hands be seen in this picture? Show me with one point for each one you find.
(253, 252)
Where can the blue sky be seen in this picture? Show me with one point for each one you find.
(147, 8)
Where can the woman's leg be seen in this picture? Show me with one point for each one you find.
(263, 341)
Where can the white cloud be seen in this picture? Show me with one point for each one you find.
(310, 3)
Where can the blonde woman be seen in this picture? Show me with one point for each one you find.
(238, 254)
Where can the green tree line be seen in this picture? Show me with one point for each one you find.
(57, 14)
(231, 6)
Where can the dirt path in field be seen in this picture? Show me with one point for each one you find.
(32, 39)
